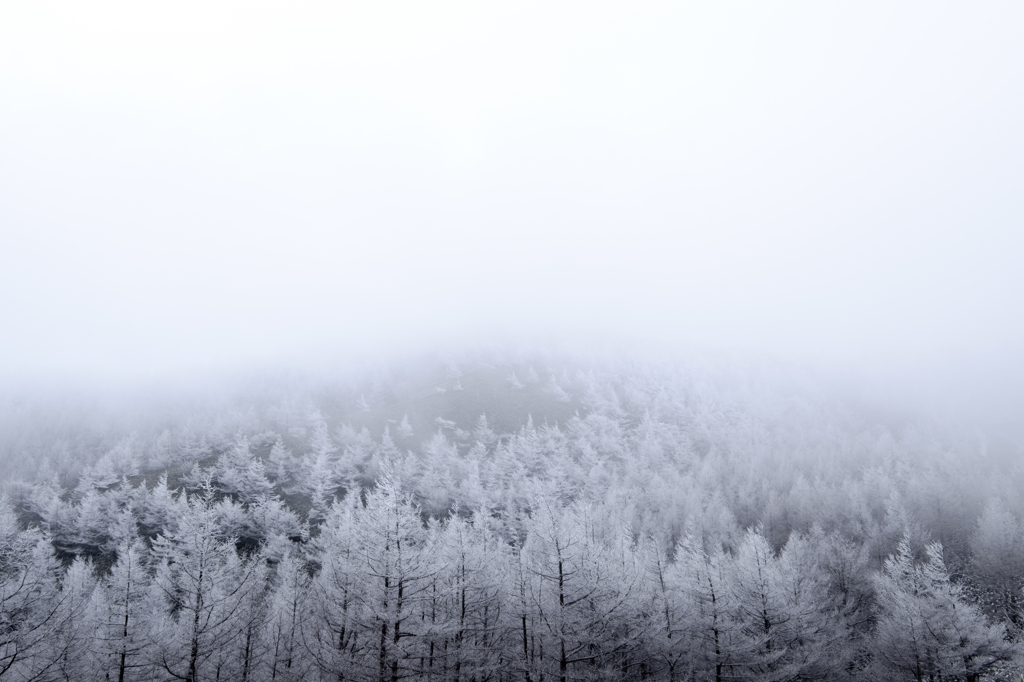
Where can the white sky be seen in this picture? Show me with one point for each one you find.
(195, 185)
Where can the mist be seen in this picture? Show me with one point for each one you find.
(191, 188)
(588, 341)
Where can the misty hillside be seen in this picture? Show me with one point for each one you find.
(559, 341)
(508, 517)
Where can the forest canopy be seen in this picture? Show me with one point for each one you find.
(508, 516)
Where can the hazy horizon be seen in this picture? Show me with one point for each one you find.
(198, 188)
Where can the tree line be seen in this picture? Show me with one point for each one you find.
(664, 531)
(561, 590)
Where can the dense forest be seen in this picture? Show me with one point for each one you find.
(508, 517)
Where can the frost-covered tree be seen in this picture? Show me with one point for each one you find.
(284, 466)
(667, 639)
(207, 592)
(466, 603)
(240, 474)
(118, 618)
(555, 390)
(122, 460)
(320, 485)
(718, 648)
(99, 516)
(581, 587)
(926, 631)
(65, 654)
(997, 548)
(158, 509)
(289, 606)
(405, 429)
(483, 433)
(333, 631)
(394, 568)
(31, 608)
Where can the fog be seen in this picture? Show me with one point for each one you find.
(512, 341)
(192, 188)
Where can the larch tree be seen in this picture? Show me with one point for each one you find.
(68, 641)
(926, 631)
(581, 592)
(817, 633)
(334, 633)
(208, 592)
(395, 567)
(117, 616)
(30, 602)
(239, 474)
(465, 605)
(289, 606)
(716, 644)
(667, 642)
(284, 466)
(997, 548)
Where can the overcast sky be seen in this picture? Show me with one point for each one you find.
(199, 185)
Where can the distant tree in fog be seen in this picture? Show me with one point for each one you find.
(997, 546)
(405, 428)
(284, 466)
(238, 473)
